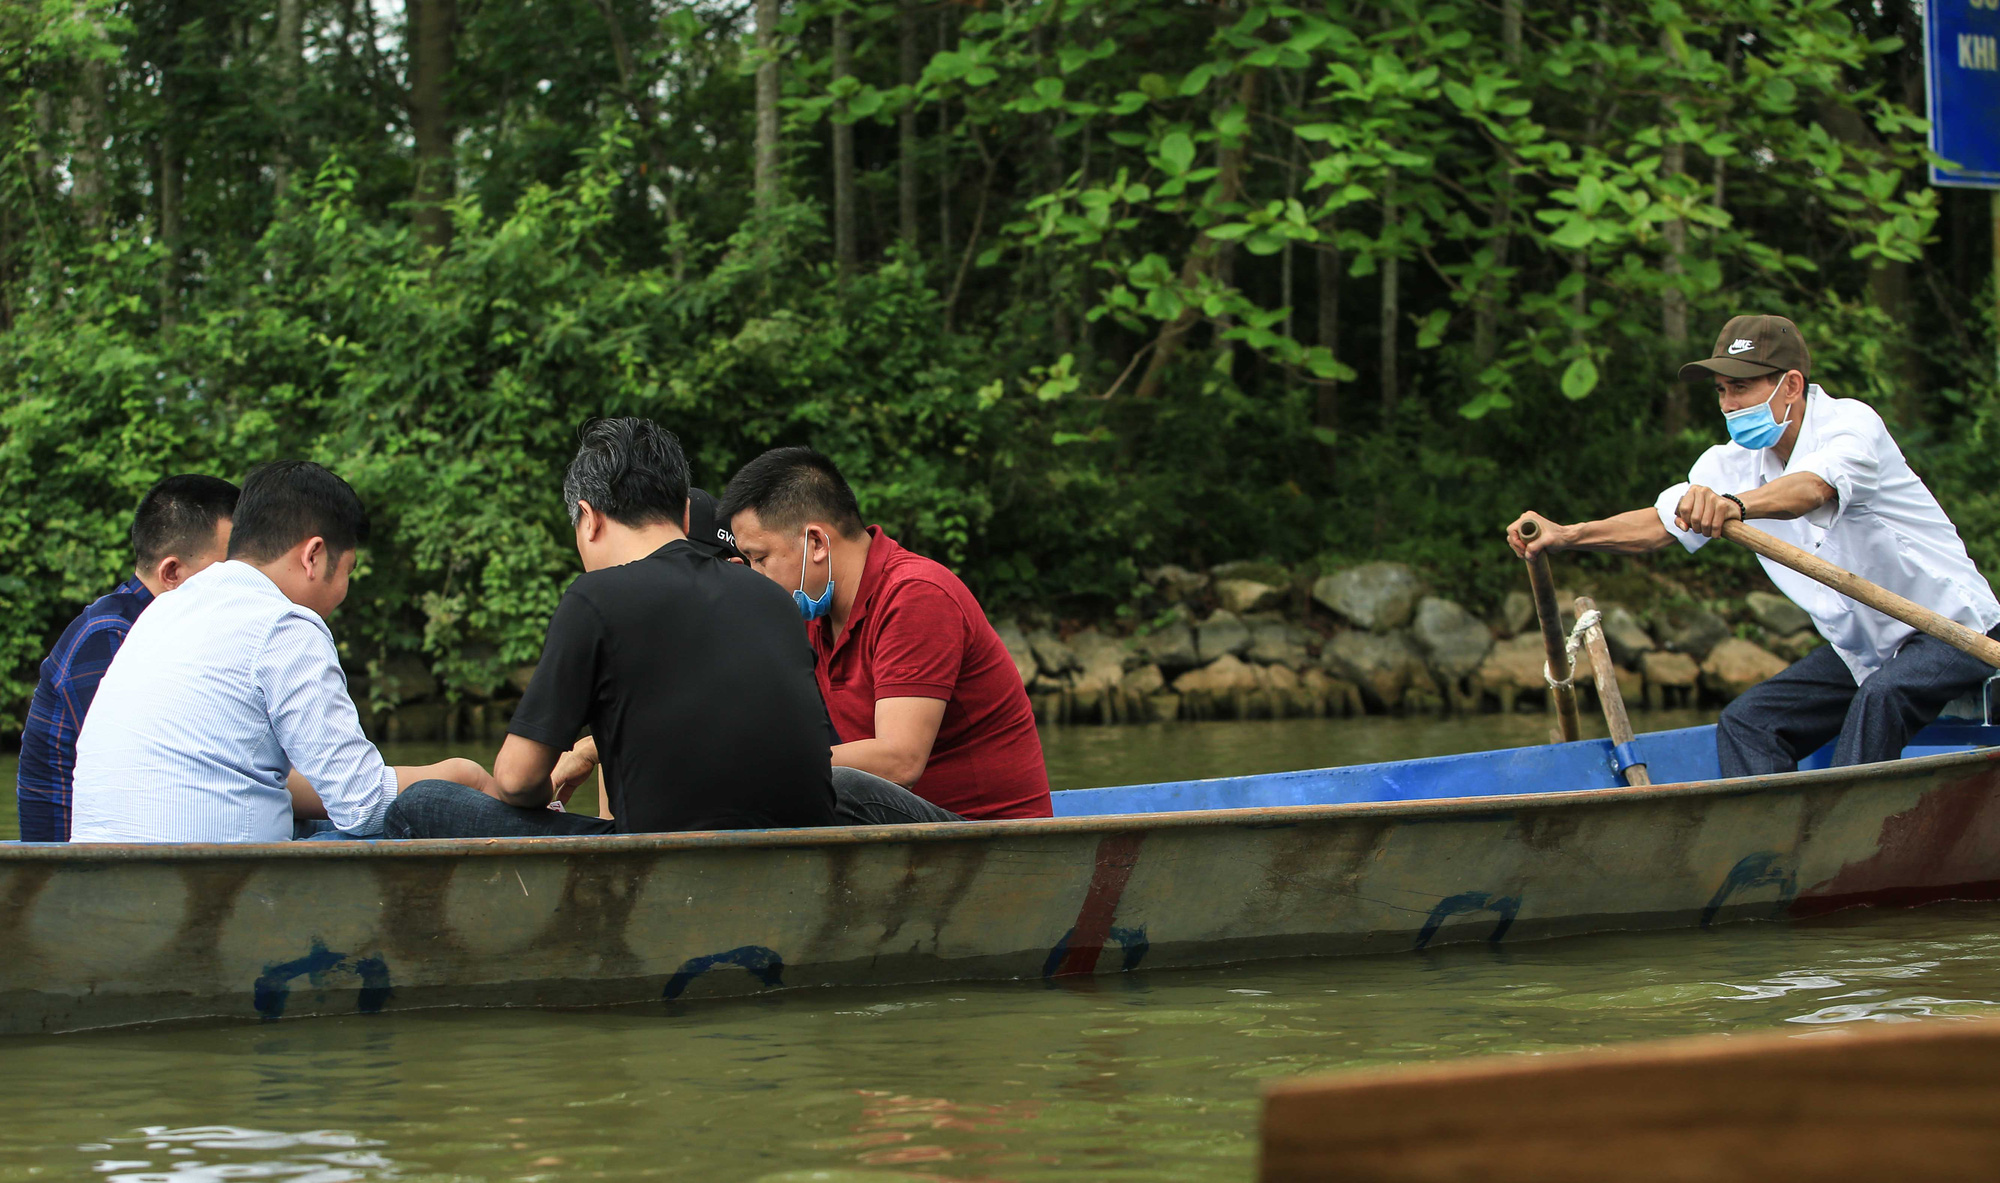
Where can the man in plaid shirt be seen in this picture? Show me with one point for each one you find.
(182, 527)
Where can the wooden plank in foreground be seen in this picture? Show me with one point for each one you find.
(1909, 1102)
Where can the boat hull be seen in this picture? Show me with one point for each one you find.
(98, 936)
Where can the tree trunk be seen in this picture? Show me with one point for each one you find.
(766, 168)
(1208, 257)
(1326, 409)
(911, 68)
(433, 35)
(290, 61)
(1888, 279)
(945, 166)
(1048, 151)
(972, 239)
(1392, 307)
(1286, 278)
(1673, 299)
(658, 167)
(87, 127)
(172, 173)
(845, 251)
(1499, 217)
(173, 169)
(1730, 56)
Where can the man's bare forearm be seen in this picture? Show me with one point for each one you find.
(882, 758)
(1791, 496)
(1635, 533)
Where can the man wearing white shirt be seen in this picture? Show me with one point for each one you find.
(230, 682)
(1823, 474)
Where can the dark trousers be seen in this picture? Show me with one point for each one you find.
(443, 809)
(1778, 722)
(446, 809)
(864, 799)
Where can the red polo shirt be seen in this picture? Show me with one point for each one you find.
(916, 632)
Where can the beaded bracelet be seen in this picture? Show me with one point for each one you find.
(1740, 507)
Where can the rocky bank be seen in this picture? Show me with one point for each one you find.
(1258, 641)
(1254, 641)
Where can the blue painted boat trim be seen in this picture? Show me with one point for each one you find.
(1671, 757)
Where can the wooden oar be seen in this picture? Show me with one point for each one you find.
(1609, 696)
(1855, 588)
(1544, 587)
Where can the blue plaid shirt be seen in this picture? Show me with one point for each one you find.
(62, 698)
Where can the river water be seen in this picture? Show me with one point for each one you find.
(1147, 1076)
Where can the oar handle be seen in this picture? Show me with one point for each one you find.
(1543, 585)
(1855, 588)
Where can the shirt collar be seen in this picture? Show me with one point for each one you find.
(881, 547)
(136, 588)
(1815, 411)
(242, 574)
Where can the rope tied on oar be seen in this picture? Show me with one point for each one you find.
(1584, 623)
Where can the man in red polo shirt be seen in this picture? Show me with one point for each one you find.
(919, 687)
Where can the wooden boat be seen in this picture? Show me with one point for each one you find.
(1915, 1102)
(1490, 846)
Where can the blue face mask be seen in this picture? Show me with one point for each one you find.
(810, 608)
(1755, 427)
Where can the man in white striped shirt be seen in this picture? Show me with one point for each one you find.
(225, 716)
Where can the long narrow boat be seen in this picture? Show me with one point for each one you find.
(1491, 846)
(1912, 1102)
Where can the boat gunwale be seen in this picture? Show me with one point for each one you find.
(970, 831)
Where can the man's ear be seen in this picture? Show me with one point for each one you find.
(589, 523)
(169, 572)
(687, 518)
(313, 554)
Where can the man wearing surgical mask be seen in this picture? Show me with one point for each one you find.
(1821, 473)
(920, 689)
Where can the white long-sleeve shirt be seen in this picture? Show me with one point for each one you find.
(222, 688)
(1883, 525)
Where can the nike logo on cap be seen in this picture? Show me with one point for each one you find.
(1741, 345)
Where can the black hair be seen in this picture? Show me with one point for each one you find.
(789, 487)
(286, 502)
(177, 516)
(631, 470)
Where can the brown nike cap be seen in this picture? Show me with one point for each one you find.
(1751, 347)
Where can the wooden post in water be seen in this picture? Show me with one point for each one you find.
(1544, 587)
(1608, 694)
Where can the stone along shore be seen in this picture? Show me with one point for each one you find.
(1247, 642)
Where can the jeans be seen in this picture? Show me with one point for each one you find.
(444, 809)
(1779, 721)
(864, 799)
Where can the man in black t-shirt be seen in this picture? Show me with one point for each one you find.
(691, 672)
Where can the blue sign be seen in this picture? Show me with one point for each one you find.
(1962, 72)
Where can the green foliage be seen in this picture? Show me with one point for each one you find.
(1103, 340)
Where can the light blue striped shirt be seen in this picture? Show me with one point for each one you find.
(223, 686)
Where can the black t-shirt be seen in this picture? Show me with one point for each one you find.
(697, 680)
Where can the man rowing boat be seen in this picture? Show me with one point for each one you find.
(1823, 474)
